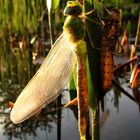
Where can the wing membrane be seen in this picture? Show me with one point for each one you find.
(47, 83)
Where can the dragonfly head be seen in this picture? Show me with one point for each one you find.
(73, 8)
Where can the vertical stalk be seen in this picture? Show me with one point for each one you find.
(59, 118)
(138, 32)
(96, 123)
(93, 35)
(50, 17)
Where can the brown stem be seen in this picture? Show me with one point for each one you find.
(121, 66)
(135, 78)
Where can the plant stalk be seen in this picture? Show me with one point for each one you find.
(50, 17)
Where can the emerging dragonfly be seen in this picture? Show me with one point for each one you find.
(56, 71)
(68, 51)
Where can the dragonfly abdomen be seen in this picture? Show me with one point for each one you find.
(106, 70)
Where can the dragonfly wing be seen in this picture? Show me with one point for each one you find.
(47, 83)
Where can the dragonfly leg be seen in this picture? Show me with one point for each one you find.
(71, 103)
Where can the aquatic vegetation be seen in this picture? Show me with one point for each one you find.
(18, 15)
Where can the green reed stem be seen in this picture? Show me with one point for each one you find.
(51, 21)
(137, 40)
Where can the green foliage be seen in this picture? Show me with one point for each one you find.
(135, 11)
(94, 33)
(117, 2)
(128, 27)
(92, 98)
(97, 6)
(72, 89)
(52, 4)
(137, 39)
(19, 14)
(90, 1)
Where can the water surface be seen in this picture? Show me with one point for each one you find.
(119, 121)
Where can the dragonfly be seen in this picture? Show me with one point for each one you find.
(69, 51)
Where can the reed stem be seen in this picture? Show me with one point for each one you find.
(51, 21)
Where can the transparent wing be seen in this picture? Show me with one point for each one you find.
(47, 83)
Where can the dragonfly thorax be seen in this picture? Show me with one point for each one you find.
(74, 28)
(73, 25)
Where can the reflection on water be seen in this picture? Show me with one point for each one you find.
(43, 127)
(119, 114)
(16, 68)
(123, 122)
